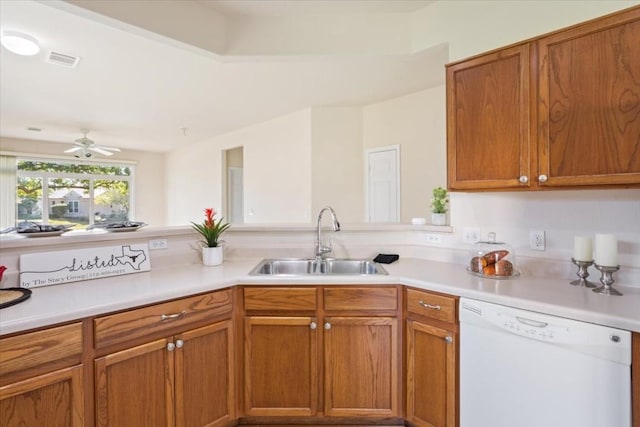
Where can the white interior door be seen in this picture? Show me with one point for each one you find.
(383, 184)
(235, 195)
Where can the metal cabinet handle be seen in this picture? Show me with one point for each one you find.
(543, 178)
(313, 325)
(327, 326)
(171, 346)
(172, 316)
(179, 343)
(523, 179)
(448, 339)
(432, 307)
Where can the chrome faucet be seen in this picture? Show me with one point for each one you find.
(320, 249)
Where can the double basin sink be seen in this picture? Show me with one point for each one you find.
(305, 267)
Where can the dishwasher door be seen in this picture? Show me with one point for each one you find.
(525, 369)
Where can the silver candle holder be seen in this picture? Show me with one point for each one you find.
(583, 273)
(607, 280)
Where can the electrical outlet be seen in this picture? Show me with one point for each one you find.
(158, 244)
(470, 234)
(434, 239)
(537, 240)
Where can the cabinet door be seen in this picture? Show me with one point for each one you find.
(53, 400)
(204, 376)
(361, 366)
(281, 366)
(589, 104)
(488, 121)
(431, 375)
(134, 387)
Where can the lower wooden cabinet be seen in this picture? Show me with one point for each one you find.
(183, 380)
(54, 399)
(334, 356)
(281, 366)
(431, 360)
(41, 378)
(361, 366)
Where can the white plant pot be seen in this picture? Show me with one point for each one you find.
(439, 218)
(212, 256)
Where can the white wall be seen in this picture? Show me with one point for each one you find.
(277, 173)
(416, 122)
(337, 162)
(472, 27)
(149, 203)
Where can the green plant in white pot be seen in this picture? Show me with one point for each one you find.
(439, 204)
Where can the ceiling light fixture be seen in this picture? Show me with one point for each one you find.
(20, 43)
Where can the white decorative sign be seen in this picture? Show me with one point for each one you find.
(53, 268)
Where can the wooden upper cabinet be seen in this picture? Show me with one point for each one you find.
(488, 130)
(559, 111)
(589, 103)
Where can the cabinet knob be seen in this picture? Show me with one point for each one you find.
(327, 326)
(171, 346)
(448, 339)
(543, 178)
(179, 343)
(523, 179)
(313, 325)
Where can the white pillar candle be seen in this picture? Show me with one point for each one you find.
(606, 250)
(582, 248)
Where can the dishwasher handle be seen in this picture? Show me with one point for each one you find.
(530, 322)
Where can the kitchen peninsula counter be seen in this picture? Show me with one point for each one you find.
(50, 305)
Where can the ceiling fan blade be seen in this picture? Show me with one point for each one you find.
(110, 148)
(73, 150)
(101, 151)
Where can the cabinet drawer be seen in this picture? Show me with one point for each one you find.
(359, 298)
(437, 307)
(287, 299)
(62, 344)
(157, 318)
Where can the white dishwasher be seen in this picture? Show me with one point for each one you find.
(525, 369)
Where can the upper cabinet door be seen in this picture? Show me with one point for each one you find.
(589, 103)
(488, 121)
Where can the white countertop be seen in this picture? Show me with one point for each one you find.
(61, 303)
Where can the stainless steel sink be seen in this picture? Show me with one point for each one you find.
(329, 266)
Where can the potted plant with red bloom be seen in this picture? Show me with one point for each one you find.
(211, 230)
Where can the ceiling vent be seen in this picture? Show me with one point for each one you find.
(62, 59)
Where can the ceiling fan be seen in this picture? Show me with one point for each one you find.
(85, 147)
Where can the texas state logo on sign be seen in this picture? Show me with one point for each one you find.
(53, 268)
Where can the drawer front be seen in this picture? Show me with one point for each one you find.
(286, 299)
(361, 298)
(434, 306)
(157, 318)
(59, 344)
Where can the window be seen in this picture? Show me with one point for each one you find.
(82, 194)
(72, 207)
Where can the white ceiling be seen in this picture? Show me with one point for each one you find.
(312, 7)
(138, 92)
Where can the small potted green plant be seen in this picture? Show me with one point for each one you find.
(439, 204)
(211, 230)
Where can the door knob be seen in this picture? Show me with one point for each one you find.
(448, 339)
(327, 326)
(313, 325)
(179, 343)
(523, 179)
(171, 346)
(543, 178)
